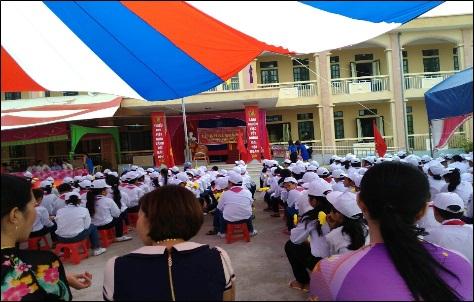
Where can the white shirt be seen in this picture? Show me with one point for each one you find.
(145, 187)
(42, 219)
(236, 204)
(318, 244)
(106, 209)
(293, 196)
(435, 185)
(72, 220)
(49, 202)
(464, 190)
(83, 197)
(133, 192)
(462, 166)
(428, 221)
(454, 237)
(123, 200)
(339, 186)
(59, 203)
(338, 241)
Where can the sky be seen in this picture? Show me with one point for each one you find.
(451, 8)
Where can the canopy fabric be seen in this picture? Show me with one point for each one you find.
(35, 135)
(167, 50)
(33, 112)
(449, 104)
(77, 132)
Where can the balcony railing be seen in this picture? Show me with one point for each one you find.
(360, 85)
(298, 89)
(425, 80)
(420, 142)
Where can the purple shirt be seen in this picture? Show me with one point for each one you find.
(369, 274)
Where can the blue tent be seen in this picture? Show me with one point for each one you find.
(451, 97)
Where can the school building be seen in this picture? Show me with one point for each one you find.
(328, 100)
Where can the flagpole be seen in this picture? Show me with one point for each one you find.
(187, 147)
(430, 141)
(401, 67)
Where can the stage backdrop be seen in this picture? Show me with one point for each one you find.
(175, 129)
(219, 135)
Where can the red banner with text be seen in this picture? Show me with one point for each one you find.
(253, 133)
(220, 135)
(162, 150)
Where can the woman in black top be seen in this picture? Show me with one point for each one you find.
(29, 275)
(169, 267)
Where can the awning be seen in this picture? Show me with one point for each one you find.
(35, 135)
(41, 111)
(162, 50)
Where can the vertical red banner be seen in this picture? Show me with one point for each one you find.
(162, 152)
(253, 133)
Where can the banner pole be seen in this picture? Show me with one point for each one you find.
(187, 146)
(430, 140)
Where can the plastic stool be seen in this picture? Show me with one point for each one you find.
(34, 243)
(107, 236)
(231, 229)
(133, 217)
(72, 251)
(125, 228)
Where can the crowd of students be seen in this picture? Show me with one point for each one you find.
(410, 214)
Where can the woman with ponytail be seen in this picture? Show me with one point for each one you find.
(120, 199)
(397, 265)
(164, 176)
(456, 185)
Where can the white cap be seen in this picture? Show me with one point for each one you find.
(131, 175)
(319, 187)
(322, 171)
(444, 200)
(28, 174)
(334, 157)
(203, 168)
(401, 153)
(45, 183)
(370, 159)
(174, 181)
(304, 204)
(412, 160)
(314, 163)
(68, 180)
(99, 184)
(191, 171)
(107, 171)
(309, 177)
(349, 157)
(355, 160)
(150, 170)
(223, 172)
(134, 168)
(290, 179)
(242, 163)
(98, 175)
(298, 169)
(356, 178)
(115, 174)
(182, 177)
(89, 177)
(243, 169)
(448, 171)
(344, 202)
(426, 158)
(437, 169)
(221, 183)
(69, 194)
(85, 183)
(448, 156)
(234, 178)
(50, 179)
(272, 170)
(175, 169)
(154, 174)
(338, 173)
(77, 178)
(287, 161)
(312, 168)
(237, 169)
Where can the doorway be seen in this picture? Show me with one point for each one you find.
(364, 69)
(364, 126)
(279, 132)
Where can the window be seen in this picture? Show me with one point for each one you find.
(405, 62)
(364, 57)
(273, 118)
(47, 93)
(70, 93)
(17, 151)
(279, 132)
(12, 95)
(339, 124)
(233, 84)
(456, 59)
(430, 59)
(410, 126)
(368, 112)
(335, 67)
(301, 73)
(136, 139)
(269, 72)
(305, 126)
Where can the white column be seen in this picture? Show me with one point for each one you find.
(461, 56)
(388, 53)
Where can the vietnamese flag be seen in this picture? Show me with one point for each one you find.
(379, 143)
(242, 148)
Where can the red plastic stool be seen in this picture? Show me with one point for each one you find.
(133, 217)
(107, 236)
(125, 228)
(72, 251)
(34, 243)
(231, 229)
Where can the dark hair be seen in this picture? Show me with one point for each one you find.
(74, 200)
(436, 177)
(91, 200)
(76, 183)
(264, 170)
(285, 173)
(164, 174)
(38, 193)
(215, 168)
(172, 212)
(297, 143)
(312, 215)
(48, 189)
(291, 143)
(62, 188)
(298, 176)
(453, 179)
(131, 181)
(446, 215)
(113, 181)
(16, 192)
(394, 193)
(356, 165)
(347, 164)
(457, 158)
(356, 230)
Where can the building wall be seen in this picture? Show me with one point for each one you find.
(290, 116)
(419, 112)
(415, 58)
(348, 55)
(350, 114)
(285, 67)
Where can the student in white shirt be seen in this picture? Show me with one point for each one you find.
(49, 197)
(43, 224)
(436, 182)
(134, 193)
(220, 185)
(104, 211)
(338, 177)
(453, 233)
(459, 163)
(60, 201)
(304, 254)
(235, 205)
(294, 192)
(74, 224)
(456, 185)
(118, 196)
(141, 182)
(84, 186)
(348, 232)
